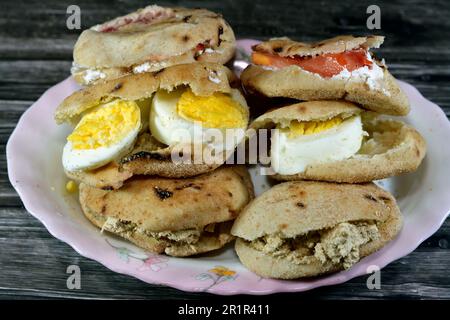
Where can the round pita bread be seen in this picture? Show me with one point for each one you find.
(392, 147)
(149, 40)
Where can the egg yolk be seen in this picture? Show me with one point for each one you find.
(216, 111)
(299, 128)
(106, 125)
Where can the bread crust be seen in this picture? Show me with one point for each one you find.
(161, 37)
(286, 47)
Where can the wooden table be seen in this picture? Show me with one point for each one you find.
(36, 52)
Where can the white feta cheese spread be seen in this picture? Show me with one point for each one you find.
(147, 66)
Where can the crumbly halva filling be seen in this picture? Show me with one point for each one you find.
(179, 237)
(338, 245)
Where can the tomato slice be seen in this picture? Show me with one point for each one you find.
(326, 65)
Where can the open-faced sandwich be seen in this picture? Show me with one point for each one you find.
(138, 123)
(178, 217)
(337, 141)
(149, 40)
(337, 68)
(305, 228)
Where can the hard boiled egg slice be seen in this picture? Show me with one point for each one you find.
(180, 116)
(306, 143)
(102, 135)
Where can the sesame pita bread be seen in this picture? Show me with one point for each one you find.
(149, 40)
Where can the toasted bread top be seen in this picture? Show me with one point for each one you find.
(306, 111)
(286, 47)
(152, 34)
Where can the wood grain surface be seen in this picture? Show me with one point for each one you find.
(36, 53)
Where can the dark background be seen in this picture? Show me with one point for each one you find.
(36, 53)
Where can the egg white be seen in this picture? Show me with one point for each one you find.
(87, 159)
(168, 127)
(294, 155)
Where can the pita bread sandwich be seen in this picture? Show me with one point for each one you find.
(149, 40)
(339, 68)
(178, 217)
(174, 123)
(304, 228)
(337, 141)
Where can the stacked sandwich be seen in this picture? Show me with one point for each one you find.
(331, 133)
(150, 74)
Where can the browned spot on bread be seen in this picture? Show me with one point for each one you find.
(107, 188)
(186, 19)
(230, 194)
(370, 197)
(185, 38)
(163, 194)
(103, 210)
(300, 205)
(187, 185)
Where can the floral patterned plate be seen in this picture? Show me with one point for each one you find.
(35, 170)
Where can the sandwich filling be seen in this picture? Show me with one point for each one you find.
(339, 245)
(139, 21)
(353, 65)
(303, 143)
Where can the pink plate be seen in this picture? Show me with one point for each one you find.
(34, 167)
